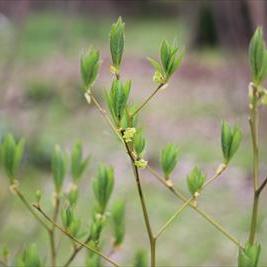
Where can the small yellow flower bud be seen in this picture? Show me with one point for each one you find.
(128, 134)
(158, 77)
(141, 163)
(113, 70)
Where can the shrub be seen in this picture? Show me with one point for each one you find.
(122, 120)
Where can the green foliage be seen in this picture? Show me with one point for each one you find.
(70, 221)
(117, 99)
(230, 140)
(128, 120)
(11, 153)
(139, 142)
(195, 180)
(73, 194)
(118, 218)
(29, 258)
(249, 256)
(140, 259)
(103, 185)
(78, 165)
(93, 260)
(58, 167)
(117, 42)
(171, 58)
(90, 62)
(97, 226)
(258, 57)
(67, 217)
(168, 159)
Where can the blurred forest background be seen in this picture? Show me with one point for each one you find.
(41, 100)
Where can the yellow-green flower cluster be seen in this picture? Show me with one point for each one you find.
(141, 163)
(128, 134)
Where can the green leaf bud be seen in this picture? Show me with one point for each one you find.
(97, 225)
(58, 167)
(140, 259)
(139, 142)
(118, 219)
(117, 99)
(195, 180)
(249, 256)
(38, 196)
(103, 185)
(78, 164)
(67, 217)
(258, 57)
(230, 140)
(93, 260)
(168, 159)
(90, 62)
(11, 153)
(29, 258)
(73, 194)
(117, 42)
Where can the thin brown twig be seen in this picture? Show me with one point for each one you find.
(14, 188)
(147, 99)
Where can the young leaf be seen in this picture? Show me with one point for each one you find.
(139, 142)
(58, 167)
(11, 153)
(67, 217)
(258, 57)
(169, 159)
(249, 256)
(155, 64)
(29, 258)
(195, 180)
(230, 141)
(93, 260)
(72, 195)
(97, 226)
(90, 62)
(78, 165)
(103, 185)
(118, 218)
(117, 99)
(140, 259)
(117, 42)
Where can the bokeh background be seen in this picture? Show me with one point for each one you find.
(41, 100)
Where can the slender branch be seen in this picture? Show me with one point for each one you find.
(176, 192)
(74, 238)
(75, 252)
(179, 194)
(106, 117)
(152, 240)
(52, 232)
(147, 99)
(14, 188)
(188, 201)
(253, 122)
(263, 184)
(173, 217)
